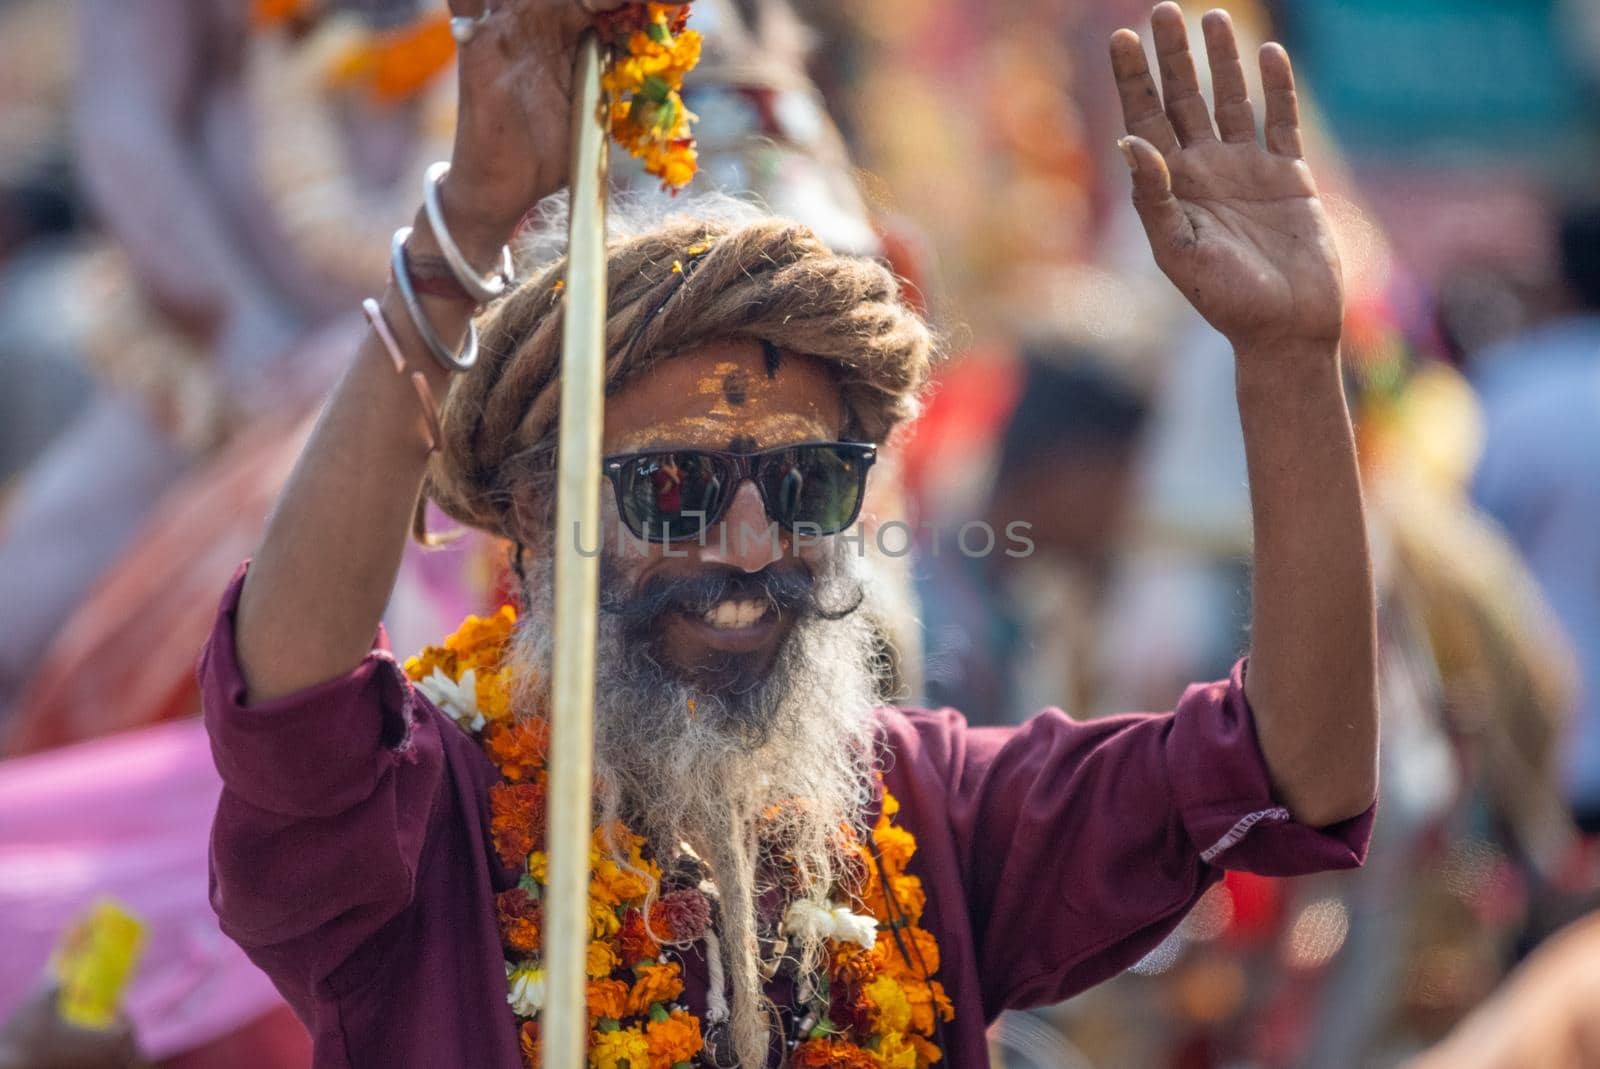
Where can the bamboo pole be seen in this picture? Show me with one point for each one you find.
(565, 1022)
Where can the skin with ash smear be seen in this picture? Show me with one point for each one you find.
(682, 404)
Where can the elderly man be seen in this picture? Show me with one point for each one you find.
(785, 869)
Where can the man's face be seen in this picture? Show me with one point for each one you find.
(716, 609)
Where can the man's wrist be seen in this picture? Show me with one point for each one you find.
(478, 233)
(1287, 363)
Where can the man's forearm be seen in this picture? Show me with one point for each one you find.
(1312, 680)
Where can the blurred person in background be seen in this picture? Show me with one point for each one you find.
(1363, 969)
(41, 226)
(1540, 473)
(237, 154)
(1025, 637)
(1547, 1015)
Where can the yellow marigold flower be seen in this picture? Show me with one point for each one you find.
(494, 694)
(603, 922)
(891, 1010)
(423, 664)
(619, 884)
(895, 1051)
(625, 1048)
(891, 806)
(601, 960)
(539, 867)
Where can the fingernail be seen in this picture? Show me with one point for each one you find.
(1127, 153)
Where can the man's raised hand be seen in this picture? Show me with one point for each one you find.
(513, 125)
(1236, 226)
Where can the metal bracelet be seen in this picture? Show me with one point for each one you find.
(482, 289)
(419, 319)
(397, 356)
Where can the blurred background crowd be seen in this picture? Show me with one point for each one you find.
(195, 194)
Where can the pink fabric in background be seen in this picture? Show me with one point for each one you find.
(127, 816)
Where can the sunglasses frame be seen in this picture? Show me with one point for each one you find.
(745, 467)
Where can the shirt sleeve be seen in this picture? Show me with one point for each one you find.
(327, 796)
(1082, 845)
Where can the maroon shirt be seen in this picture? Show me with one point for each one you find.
(351, 856)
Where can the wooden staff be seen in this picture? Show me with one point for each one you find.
(565, 1020)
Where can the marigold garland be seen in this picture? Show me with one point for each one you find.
(651, 51)
(877, 1006)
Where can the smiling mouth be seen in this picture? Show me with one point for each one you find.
(736, 614)
(734, 625)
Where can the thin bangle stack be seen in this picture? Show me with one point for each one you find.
(481, 289)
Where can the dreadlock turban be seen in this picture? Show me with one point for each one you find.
(685, 283)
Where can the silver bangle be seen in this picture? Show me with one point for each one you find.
(481, 289)
(430, 337)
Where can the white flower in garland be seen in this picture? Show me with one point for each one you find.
(526, 983)
(456, 699)
(829, 920)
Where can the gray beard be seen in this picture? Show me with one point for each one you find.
(739, 776)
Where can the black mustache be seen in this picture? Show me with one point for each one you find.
(790, 590)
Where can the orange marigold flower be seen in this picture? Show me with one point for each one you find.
(909, 896)
(607, 998)
(831, 1054)
(654, 983)
(854, 964)
(895, 847)
(927, 997)
(517, 747)
(480, 641)
(634, 940)
(272, 12)
(516, 821)
(521, 918)
(674, 1040)
(927, 1053)
(922, 948)
(532, 1050)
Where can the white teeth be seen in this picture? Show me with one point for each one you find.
(733, 614)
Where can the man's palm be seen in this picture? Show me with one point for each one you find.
(1237, 227)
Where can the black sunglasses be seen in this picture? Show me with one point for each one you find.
(677, 494)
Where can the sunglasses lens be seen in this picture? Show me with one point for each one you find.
(818, 486)
(671, 496)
